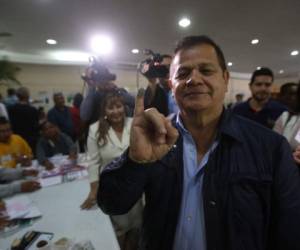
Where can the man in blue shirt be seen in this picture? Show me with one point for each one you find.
(60, 115)
(212, 180)
(260, 107)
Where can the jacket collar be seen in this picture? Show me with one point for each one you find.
(227, 128)
(228, 125)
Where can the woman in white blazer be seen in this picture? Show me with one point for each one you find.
(288, 124)
(109, 138)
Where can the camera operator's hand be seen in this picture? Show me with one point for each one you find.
(152, 134)
(30, 186)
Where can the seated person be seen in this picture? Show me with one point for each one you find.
(10, 182)
(4, 220)
(13, 148)
(53, 142)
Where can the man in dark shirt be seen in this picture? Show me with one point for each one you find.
(24, 118)
(60, 115)
(260, 107)
(212, 180)
(53, 142)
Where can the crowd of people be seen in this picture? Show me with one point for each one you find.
(173, 168)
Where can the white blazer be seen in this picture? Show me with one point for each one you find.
(101, 156)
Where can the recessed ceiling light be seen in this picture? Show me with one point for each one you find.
(255, 41)
(51, 41)
(281, 71)
(294, 52)
(229, 64)
(135, 51)
(258, 68)
(184, 22)
(102, 44)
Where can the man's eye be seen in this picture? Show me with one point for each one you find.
(181, 74)
(206, 72)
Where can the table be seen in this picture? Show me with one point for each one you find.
(60, 206)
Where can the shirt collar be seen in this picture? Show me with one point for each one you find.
(227, 125)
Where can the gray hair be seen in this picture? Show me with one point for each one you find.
(23, 93)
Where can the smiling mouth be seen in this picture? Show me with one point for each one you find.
(196, 94)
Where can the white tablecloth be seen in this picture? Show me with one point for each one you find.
(60, 206)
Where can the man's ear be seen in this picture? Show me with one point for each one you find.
(226, 77)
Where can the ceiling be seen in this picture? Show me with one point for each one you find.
(154, 24)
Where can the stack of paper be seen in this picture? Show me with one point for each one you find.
(21, 207)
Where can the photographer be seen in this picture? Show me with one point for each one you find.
(158, 93)
(100, 81)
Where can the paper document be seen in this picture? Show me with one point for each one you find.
(21, 207)
(51, 181)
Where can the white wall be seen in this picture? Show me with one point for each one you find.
(44, 80)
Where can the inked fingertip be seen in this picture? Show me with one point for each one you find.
(141, 92)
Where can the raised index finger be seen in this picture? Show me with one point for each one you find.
(139, 102)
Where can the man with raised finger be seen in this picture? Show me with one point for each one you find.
(211, 179)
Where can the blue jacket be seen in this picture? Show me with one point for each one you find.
(251, 191)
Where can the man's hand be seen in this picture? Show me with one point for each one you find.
(30, 172)
(296, 155)
(48, 165)
(4, 221)
(30, 186)
(24, 160)
(73, 156)
(152, 134)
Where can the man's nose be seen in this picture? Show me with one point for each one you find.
(195, 78)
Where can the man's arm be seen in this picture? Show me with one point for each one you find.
(10, 189)
(122, 185)
(87, 105)
(10, 174)
(124, 180)
(286, 201)
(17, 187)
(70, 144)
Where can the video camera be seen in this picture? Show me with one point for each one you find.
(152, 67)
(97, 73)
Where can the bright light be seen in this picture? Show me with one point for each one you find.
(294, 52)
(102, 45)
(135, 51)
(258, 68)
(281, 71)
(51, 41)
(71, 56)
(184, 22)
(255, 41)
(229, 64)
